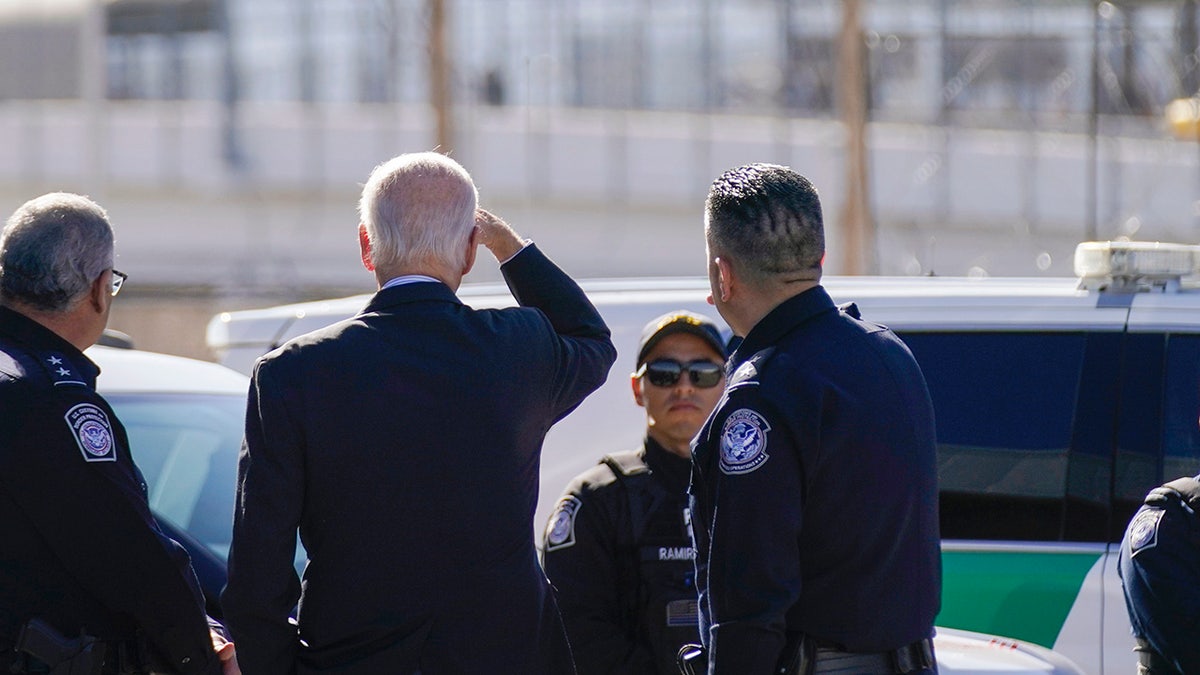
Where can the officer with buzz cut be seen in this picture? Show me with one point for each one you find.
(1160, 575)
(616, 546)
(814, 482)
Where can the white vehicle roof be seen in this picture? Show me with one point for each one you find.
(904, 303)
(134, 371)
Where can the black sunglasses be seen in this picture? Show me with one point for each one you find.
(666, 372)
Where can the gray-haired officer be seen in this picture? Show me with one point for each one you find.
(617, 547)
(88, 581)
(1160, 575)
(814, 482)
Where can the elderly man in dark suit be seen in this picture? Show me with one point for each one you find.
(404, 444)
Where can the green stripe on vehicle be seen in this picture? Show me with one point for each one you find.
(1023, 594)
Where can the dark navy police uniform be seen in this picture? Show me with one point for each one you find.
(1160, 574)
(79, 548)
(618, 552)
(814, 498)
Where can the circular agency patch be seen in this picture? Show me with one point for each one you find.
(743, 442)
(561, 531)
(89, 424)
(1143, 532)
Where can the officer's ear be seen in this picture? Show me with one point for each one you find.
(100, 292)
(724, 278)
(635, 383)
(364, 247)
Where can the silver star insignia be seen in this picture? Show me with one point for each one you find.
(63, 372)
(54, 360)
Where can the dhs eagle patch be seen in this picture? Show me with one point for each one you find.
(1143, 531)
(743, 442)
(560, 533)
(89, 424)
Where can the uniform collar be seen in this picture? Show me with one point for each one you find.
(673, 469)
(405, 293)
(62, 361)
(780, 321)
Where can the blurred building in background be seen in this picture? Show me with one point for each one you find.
(228, 138)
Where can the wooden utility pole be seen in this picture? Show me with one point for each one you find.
(858, 230)
(439, 76)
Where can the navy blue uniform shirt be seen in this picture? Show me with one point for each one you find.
(619, 555)
(79, 547)
(1160, 575)
(814, 492)
(404, 443)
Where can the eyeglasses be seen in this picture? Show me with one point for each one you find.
(666, 372)
(118, 280)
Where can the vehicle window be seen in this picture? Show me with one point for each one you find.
(187, 446)
(1010, 464)
(1181, 431)
(1139, 442)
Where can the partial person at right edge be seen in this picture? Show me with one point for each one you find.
(1160, 576)
(814, 499)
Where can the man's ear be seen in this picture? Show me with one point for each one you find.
(472, 248)
(635, 383)
(100, 293)
(725, 278)
(364, 247)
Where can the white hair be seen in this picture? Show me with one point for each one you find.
(418, 208)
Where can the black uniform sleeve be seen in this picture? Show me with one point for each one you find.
(1162, 587)
(586, 352)
(754, 523)
(89, 515)
(595, 587)
(263, 587)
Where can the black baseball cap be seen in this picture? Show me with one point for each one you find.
(680, 321)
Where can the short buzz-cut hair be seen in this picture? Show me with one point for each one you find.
(52, 249)
(767, 218)
(418, 207)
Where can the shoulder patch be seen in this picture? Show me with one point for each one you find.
(1143, 531)
(560, 531)
(743, 442)
(89, 424)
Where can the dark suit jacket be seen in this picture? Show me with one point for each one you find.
(405, 445)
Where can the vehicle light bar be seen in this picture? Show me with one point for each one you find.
(1129, 264)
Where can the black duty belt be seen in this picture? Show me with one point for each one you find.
(120, 658)
(822, 657)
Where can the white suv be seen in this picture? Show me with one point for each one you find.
(184, 419)
(1059, 404)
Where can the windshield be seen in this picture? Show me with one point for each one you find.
(187, 447)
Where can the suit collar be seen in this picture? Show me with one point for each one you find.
(418, 292)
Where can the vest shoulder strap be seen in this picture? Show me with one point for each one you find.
(628, 463)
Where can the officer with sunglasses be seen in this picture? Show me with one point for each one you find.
(814, 483)
(616, 546)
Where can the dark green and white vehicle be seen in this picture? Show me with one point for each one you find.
(1059, 403)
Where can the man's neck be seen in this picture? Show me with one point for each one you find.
(67, 325)
(452, 280)
(761, 301)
